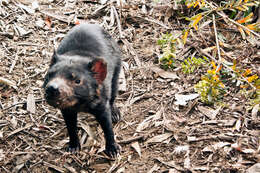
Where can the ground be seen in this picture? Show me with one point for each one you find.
(155, 134)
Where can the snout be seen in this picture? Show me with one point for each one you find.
(52, 90)
(60, 94)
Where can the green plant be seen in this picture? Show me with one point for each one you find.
(210, 88)
(168, 46)
(191, 64)
(255, 99)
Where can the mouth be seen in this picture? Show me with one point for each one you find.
(62, 102)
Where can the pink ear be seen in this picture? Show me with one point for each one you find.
(99, 67)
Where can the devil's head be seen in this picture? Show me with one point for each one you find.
(73, 80)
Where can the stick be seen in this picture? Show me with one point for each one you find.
(216, 36)
(20, 129)
(127, 141)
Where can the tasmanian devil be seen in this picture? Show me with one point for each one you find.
(83, 77)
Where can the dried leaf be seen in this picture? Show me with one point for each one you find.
(121, 170)
(137, 148)
(248, 151)
(255, 111)
(236, 146)
(242, 32)
(155, 168)
(184, 37)
(186, 163)
(246, 19)
(13, 122)
(164, 74)
(57, 168)
(220, 145)
(20, 129)
(252, 78)
(103, 1)
(28, 9)
(158, 114)
(237, 125)
(2, 155)
(71, 169)
(171, 164)
(88, 130)
(122, 81)
(48, 21)
(181, 149)
(7, 82)
(182, 99)
(196, 21)
(210, 113)
(254, 169)
(208, 149)
(160, 138)
(240, 8)
(208, 49)
(144, 124)
(30, 104)
(35, 5)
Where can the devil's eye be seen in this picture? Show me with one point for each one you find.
(77, 81)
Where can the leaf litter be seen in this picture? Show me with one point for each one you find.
(154, 135)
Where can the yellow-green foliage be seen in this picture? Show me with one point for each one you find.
(210, 88)
(191, 64)
(168, 46)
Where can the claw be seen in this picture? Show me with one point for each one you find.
(73, 148)
(112, 150)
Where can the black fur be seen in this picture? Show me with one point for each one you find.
(85, 53)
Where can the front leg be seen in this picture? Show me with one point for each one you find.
(70, 118)
(103, 117)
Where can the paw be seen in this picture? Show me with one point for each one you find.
(116, 116)
(73, 148)
(112, 150)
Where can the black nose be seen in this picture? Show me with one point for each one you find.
(52, 90)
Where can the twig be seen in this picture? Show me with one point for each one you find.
(216, 36)
(190, 107)
(118, 22)
(1, 105)
(20, 129)
(8, 82)
(213, 137)
(21, 103)
(57, 168)
(6, 35)
(133, 52)
(13, 63)
(55, 16)
(154, 21)
(127, 141)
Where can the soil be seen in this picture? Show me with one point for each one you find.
(155, 133)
